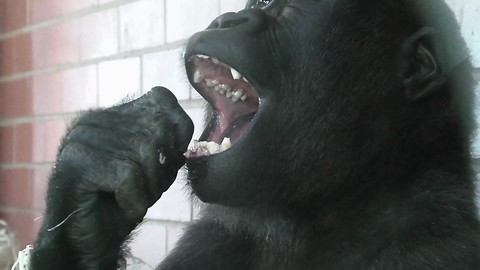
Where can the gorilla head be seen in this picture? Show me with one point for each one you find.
(330, 98)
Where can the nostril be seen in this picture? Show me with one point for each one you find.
(227, 20)
(246, 19)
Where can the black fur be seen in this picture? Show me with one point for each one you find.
(358, 157)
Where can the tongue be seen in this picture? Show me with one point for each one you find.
(238, 127)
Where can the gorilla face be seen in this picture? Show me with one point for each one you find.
(305, 97)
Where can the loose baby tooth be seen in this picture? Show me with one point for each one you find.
(244, 97)
(212, 147)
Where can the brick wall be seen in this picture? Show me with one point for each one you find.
(58, 57)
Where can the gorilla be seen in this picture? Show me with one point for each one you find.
(337, 138)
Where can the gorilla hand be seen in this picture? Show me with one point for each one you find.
(113, 165)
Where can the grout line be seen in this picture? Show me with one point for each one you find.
(38, 119)
(122, 55)
(26, 165)
(166, 222)
(65, 18)
(21, 210)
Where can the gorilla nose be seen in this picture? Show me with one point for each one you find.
(181, 123)
(250, 20)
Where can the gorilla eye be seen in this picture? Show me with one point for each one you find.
(259, 3)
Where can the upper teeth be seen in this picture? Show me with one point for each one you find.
(221, 88)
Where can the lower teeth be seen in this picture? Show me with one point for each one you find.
(210, 148)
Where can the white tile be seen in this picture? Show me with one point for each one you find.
(142, 25)
(174, 205)
(149, 242)
(118, 79)
(185, 17)
(166, 69)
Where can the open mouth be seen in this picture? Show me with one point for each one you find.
(233, 99)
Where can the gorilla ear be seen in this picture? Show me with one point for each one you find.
(421, 65)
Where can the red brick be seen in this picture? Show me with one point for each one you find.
(16, 54)
(42, 10)
(24, 188)
(13, 15)
(47, 94)
(53, 133)
(24, 225)
(7, 140)
(67, 91)
(40, 184)
(15, 98)
(23, 148)
(38, 142)
(56, 45)
(99, 34)
(16, 188)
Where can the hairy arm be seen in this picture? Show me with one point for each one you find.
(112, 165)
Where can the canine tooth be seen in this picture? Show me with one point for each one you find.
(222, 91)
(245, 79)
(229, 94)
(244, 97)
(202, 144)
(202, 56)
(217, 88)
(197, 77)
(215, 82)
(235, 99)
(209, 82)
(235, 74)
(215, 60)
